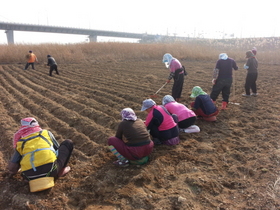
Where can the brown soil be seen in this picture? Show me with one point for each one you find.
(231, 164)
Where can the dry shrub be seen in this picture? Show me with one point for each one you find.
(192, 49)
(273, 190)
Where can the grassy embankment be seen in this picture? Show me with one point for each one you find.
(200, 50)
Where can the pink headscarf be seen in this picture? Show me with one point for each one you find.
(29, 125)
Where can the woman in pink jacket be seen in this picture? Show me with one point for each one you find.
(186, 117)
(161, 124)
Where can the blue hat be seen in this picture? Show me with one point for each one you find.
(148, 103)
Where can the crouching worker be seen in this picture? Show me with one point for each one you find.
(52, 64)
(38, 155)
(186, 117)
(132, 143)
(203, 105)
(161, 123)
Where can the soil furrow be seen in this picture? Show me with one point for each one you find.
(50, 91)
(68, 122)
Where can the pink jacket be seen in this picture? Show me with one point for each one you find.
(180, 110)
(165, 120)
(175, 64)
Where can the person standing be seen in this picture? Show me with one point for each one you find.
(186, 117)
(162, 125)
(177, 72)
(132, 141)
(52, 64)
(222, 78)
(31, 59)
(252, 74)
(41, 158)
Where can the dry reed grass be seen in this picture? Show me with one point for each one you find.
(273, 190)
(193, 49)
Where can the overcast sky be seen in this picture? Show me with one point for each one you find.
(204, 18)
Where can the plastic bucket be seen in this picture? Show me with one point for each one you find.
(41, 184)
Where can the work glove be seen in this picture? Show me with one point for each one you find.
(213, 81)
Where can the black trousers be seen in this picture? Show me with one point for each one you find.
(178, 86)
(222, 85)
(64, 152)
(164, 135)
(187, 122)
(53, 67)
(28, 64)
(250, 83)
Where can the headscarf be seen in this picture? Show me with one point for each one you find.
(196, 91)
(254, 50)
(128, 114)
(148, 103)
(29, 125)
(249, 54)
(167, 99)
(223, 56)
(167, 58)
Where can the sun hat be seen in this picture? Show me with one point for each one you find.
(167, 99)
(148, 103)
(223, 56)
(196, 91)
(29, 121)
(167, 58)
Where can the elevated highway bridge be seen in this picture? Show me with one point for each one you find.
(92, 34)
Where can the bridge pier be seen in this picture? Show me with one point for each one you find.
(92, 38)
(10, 36)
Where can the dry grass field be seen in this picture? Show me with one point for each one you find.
(232, 163)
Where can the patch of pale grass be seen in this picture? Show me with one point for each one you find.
(273, 190)
(192, 49)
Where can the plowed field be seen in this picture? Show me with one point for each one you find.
(231, 164)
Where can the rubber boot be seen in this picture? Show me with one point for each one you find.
(224, 105)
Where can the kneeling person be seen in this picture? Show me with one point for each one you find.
(39, 155)
(203, 106)
(186, 117)
(132, 143)
(161, 123)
